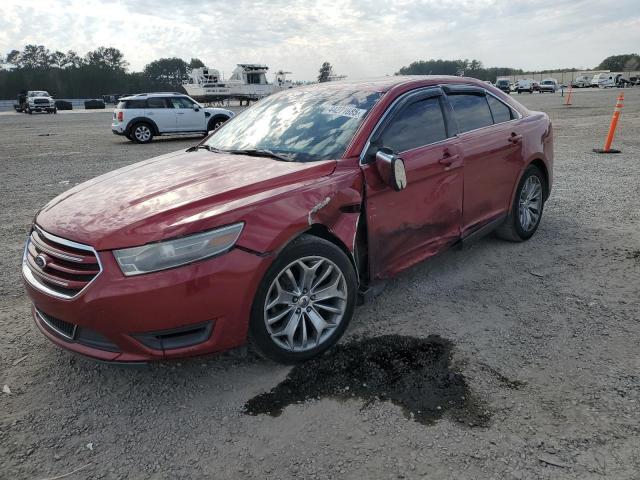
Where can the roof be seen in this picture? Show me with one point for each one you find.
(151, 94)
(384, 84)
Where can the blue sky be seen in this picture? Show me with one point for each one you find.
(360, 38)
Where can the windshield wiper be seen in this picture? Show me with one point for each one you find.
(261, 152)
(205, 147)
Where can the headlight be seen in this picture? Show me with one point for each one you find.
(181, 251)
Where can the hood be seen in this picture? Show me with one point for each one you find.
(214, 111)
(149, 201)
(40, 98)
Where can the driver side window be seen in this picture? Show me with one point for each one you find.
(418, 124)
(180, 102)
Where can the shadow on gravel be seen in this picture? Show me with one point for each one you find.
(413, 373)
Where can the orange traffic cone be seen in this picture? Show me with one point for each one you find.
(568, 100)
(612, 127)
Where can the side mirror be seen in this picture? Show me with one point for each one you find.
(391, 169)
(196, 107)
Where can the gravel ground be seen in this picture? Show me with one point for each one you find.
(542, 337)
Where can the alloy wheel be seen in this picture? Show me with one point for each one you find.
(305, 303)
(530, 205)
(142, 133)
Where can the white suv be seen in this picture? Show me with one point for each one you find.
(524, 85)
(140, 117)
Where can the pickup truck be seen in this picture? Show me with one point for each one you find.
(35, 101)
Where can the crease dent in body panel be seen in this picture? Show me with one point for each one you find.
(316, 209)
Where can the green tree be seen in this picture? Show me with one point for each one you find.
(473, 68)
(620, 63)
(12, 57)
(106, 57)
(58, 59)
(196, 63)
(34, 56)
(166, 72)
(325, 72)
(73, 60)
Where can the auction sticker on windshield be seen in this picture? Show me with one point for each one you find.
(345, 111)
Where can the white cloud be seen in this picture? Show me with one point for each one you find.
(359, 37)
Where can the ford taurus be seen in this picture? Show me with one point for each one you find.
(275, 226)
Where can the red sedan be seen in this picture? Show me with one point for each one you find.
(275, 226)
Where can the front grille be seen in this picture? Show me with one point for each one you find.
(41, 101)
(57, 266)
(65, 329)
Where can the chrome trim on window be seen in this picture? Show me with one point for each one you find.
(37, 284)
(388, 111)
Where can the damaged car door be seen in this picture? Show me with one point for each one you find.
(407, 226)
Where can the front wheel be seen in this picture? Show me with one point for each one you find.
(304, 303)
(526, 212)
(216, 122)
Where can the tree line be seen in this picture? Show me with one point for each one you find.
(105, 71)
(474, 68)
(100, 71)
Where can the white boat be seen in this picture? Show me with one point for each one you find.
(247, 82)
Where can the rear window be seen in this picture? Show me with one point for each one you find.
(501, 113)
(471, 111)
(127, 104)
(156, 102)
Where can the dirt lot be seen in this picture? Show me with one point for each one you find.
(508, 360)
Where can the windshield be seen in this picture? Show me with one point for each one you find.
(547, 82)
(302, 125)
(38, 94)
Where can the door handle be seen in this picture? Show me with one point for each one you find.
(179, 113)
(448, 159)
(515, 138)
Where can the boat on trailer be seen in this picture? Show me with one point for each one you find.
(247, 82)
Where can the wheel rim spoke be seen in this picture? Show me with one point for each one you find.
(332, 291)
(319, 324)
(279, 316)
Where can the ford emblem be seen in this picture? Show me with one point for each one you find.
(41, 261)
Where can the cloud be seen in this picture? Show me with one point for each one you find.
(359, 37)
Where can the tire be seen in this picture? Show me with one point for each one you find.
(141, 133)
(216, 122)
(288, 304)
(514, 228)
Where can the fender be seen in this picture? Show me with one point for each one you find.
(333, 202)
(135, 120)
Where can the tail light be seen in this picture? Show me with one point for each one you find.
(120, 116)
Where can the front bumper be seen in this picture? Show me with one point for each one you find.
(210, 300)
(42, 108)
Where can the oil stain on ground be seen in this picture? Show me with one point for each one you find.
(413, 373)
